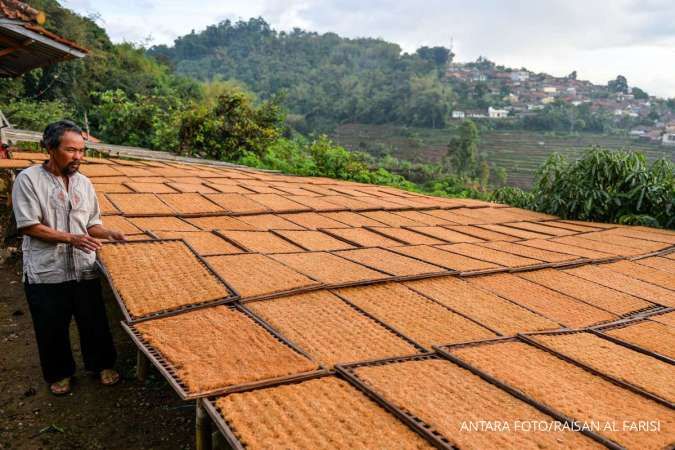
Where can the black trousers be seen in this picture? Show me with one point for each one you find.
(52, 306)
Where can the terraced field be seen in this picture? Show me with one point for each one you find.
(519, 152)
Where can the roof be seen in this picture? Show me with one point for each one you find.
(25, 44)
(268, 286)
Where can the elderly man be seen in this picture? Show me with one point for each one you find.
(57, 211)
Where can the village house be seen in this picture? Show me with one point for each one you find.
(458, 114)
(494, 113)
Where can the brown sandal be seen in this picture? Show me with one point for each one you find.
(109, 377)
(61, 387)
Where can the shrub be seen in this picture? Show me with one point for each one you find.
(607, 186)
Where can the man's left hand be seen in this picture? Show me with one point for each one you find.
(116, 236)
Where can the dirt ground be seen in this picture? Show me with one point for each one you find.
(131, 415)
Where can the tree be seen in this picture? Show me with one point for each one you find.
(463, 150)
(573, 75)
(607, 186)
(230, 127)
(620, 84)
(639, 93)
(440, 56)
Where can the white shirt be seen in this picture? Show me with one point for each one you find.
(39, 196)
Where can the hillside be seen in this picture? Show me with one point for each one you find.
(325, 78)
(519, 152)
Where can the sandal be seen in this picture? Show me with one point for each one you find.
(61, 387)
(109, 377)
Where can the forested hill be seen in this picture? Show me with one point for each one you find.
(325, 78)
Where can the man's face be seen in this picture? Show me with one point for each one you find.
(68, 156)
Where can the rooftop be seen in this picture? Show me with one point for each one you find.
(25, 44)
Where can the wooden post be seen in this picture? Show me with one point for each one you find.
(142, 366)
(202, 427)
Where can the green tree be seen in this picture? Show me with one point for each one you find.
(462, 152)
(607, 186)
(620, 84)
(230, 127)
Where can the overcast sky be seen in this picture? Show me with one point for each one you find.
(598, 38)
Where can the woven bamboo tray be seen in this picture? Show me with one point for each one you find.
(642, 335)
(417, 386)
(600, 246)
(559, 247)
(106, 207)
(664, 316)
(331, 330)
(451, 261)
(119, 223)
(539, 227)
(604, 275)
(493, 312)
(172, 373)
(329, 268)
(140, 205)
(313, 221)
(392, 220)
(207, 287)
(258, 276)
(644, 246)
(204, 243)
(494, 256)
(551, 304)
(362, 237)
(210, 223)
(516, 390)
(155, 224)
(422, 217)
(191, 204)
(647, 273)
(105, 188)
(353, 219)
(661, 262)
(642, 374)
(445, 234)
(260, 241)
(267, 222)
(392, 263)
(277, 203)
(313, 240)
(149, 188)
(406, 236)
(330, 413)
(482, 233)
(611, 300)
(315, 203)
(554, 258)
(422, 320)
(237, 203)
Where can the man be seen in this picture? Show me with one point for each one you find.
(57, 211)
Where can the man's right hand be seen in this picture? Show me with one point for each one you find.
(85, 243)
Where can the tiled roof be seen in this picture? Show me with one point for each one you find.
(443, 310)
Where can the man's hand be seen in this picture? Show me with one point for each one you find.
(116, 236)
(85, 243)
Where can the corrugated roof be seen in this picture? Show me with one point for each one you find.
(25, 44)
(408, 282)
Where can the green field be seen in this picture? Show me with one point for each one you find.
(519, 152)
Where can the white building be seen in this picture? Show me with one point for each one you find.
(668, 139)
(520, 75)
(494, 113)
(458, 114)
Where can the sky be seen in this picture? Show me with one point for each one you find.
(600, 39)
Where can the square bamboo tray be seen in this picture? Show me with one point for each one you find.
(157, 278)
(249, 323)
